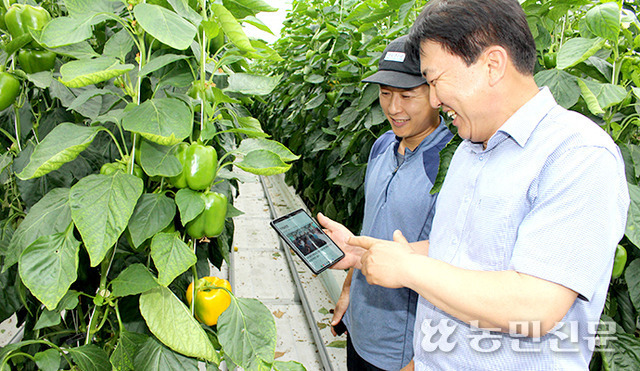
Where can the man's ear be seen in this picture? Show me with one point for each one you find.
(497, 59)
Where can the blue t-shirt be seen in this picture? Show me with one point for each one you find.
(547, 198)
(380, 320)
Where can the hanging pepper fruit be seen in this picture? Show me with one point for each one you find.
(210, 223)
(110, 168)
(20, 17)
(9, 89)
(210, 302)
(619, 262)
(180, 180)
(34, 60)
(201, 163)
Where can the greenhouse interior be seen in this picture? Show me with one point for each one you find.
(319, 185)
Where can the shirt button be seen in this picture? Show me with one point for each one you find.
(481, 158)
(454, 241)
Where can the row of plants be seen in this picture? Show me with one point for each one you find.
(588, 55)
(321, 110)
(124, 135)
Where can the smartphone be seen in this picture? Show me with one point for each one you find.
(307, 240)
(340, 328)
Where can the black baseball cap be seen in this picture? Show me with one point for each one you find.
(398, 68)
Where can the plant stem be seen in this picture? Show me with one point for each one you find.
(17, 126)
(194, 272)
(115, 141)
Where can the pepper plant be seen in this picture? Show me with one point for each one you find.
(588, 55)
(321, 110)
(103, 224)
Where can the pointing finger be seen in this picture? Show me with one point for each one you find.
(362, 241)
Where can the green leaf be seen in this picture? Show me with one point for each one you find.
(172, 323)
(608, 95)
(81, 50)
(171, 256)
(49, 266)
(135, 279)
(263, 162)
(76, 74)
(89, 8)
(41, 79)
(90, 358)
(118, 45)
(160, 160)
(250, 123)
(244, 8)
(633, 216)
(124, 354)
(577, 50)
(315, 102)
(50, 318)
(62, 31)
(101, 207)
(590, 98)
(153, 356)
(63, 144)
(623, 352)
(314, 79)
(184, 10)
(48, 216)
(257, 23)
(252, 144)
(165, 25)
(166, 121)
(288, 366)
(337, 344)
(632, 276)
(190, 204)
(446, 154)
(159, 62)
(251, 84)
(232, 28)
(152, 214)
(351, 175)
(247, 333)
(563, 86)
(604, 20)
(48, 360)
(369, 95)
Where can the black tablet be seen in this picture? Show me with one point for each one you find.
(308, 240)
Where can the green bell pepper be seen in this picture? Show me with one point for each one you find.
(199, 166)
(20, 17)
(34, 60)
(210, 223)
(124, 166)
(180, 180)
(619, 261)
(9, 89)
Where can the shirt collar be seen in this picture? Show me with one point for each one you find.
(436, 135)
(522, 123)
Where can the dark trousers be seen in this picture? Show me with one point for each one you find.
(355, 362)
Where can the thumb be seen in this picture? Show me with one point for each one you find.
(399, 237)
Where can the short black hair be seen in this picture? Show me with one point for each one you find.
(467, 27)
